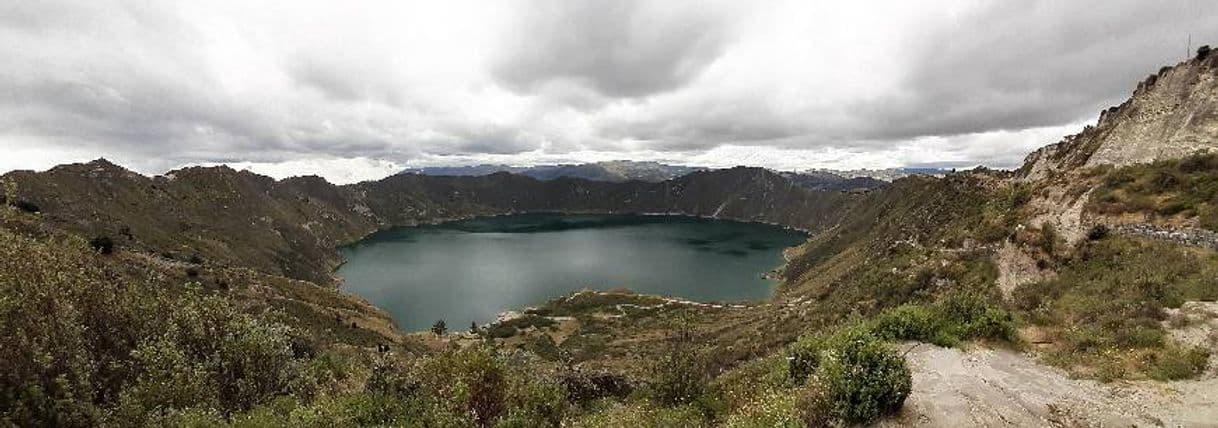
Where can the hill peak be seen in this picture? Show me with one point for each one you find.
(1170, 114)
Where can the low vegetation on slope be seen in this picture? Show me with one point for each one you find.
(1103, 314)
(91, 337)
(1177, 188)
(132, 338)
(84, 342)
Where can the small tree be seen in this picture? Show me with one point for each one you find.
(102, 244)
(439, 328)
(1097, 232)
(679, 376)
(473, 327)
(26, 206)
(8, 192)
(1203, 52)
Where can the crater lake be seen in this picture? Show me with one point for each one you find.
(472, 270)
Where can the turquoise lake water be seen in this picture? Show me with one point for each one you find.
(471, 270)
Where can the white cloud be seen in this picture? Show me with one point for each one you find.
(294, 89)
(338, 171)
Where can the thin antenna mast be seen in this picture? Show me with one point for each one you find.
(1189, 53)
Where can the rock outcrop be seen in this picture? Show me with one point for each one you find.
(1171, 114)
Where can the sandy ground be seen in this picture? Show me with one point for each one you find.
(997, 387)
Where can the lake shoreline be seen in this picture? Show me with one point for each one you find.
(549, 255)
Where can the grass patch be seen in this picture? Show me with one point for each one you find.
(583, 303)
(1107, 303)
(947, 322)
(1176, 187)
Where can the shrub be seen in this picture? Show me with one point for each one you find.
(641, 414)
(774, 408)
(678, 377)
(482, 387)
(439, 328)
(1048, 238)
(26, 206)
(471, 381)
(102, 244)
(500, 331)
(583, 388)
(1097, 232)
(1109, 300)
(84, 346)
(862, 377)
(815, 405)
(948, 322)
(529, 320)
(995, 324)
(865, 379)
(915, 322)
(390, 376)
(1175, 363)
(1203, 52)
(535, 401)
(1186, 187)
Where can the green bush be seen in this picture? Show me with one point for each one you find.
(475, 380)
(500, 331)
(486, 388)
(583, 388)
(1173, 187)
(862, 377)
(915, 322)
(1175, 363)
(641, 414)
(1108, 301)
(774, 408)
(815, 405)
(83, 344)
(678, 377)
(951, 320)
(102, 244)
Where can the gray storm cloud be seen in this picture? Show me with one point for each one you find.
(168, 83)
(628, 48)
(1024, 64)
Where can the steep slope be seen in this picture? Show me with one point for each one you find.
(1171, 114)
(293, 227)
(219, 215)
(828, 181)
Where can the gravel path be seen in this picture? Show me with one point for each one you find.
(997, 387)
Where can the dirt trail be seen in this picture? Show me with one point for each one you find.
(989, 387)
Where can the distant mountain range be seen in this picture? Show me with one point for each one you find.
(886, 174)
(612, 171)
(654, 172)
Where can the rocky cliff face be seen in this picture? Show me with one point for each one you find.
(1171, 114)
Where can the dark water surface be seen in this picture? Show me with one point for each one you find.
(472, 270)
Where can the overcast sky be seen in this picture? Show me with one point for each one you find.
(356, 90)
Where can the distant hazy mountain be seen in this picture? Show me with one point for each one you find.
(832, 181)
(612, 171)
(887, 174)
